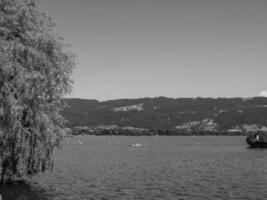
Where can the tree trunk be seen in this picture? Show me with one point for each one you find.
(2, 175)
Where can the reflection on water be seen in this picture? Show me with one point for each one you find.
(22, 191)
(164, 168)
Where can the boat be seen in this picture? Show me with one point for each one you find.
(137, 145)
(257, 139)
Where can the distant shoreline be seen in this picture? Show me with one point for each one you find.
(152, 133)
(156, 136)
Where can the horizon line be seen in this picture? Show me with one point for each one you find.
(167, 97)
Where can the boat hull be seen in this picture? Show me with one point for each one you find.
(258, 145)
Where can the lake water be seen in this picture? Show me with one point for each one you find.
(206, 167)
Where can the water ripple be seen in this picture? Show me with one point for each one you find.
(166, 168)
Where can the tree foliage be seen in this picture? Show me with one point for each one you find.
(35, 73)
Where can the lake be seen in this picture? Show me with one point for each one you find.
(167, 167)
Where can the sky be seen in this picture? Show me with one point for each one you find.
(173, 48)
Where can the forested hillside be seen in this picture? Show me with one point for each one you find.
(168, 113)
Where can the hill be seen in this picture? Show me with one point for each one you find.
(161, 113)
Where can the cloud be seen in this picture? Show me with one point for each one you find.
(263, 94)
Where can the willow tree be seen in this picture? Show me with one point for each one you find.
(35, 73)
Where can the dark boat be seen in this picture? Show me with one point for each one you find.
(257, 139)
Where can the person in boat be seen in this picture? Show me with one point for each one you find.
(257, 138)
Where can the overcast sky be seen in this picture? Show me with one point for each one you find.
(174, 48)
